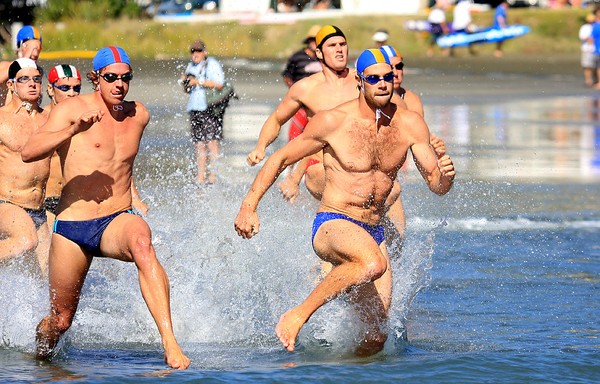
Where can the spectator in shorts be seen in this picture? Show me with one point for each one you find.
(204, 72)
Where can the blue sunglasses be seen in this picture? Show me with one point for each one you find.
(374, 79)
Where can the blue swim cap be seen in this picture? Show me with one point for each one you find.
(110, 55)
(389, 51)
(28, 33)
(371, 57)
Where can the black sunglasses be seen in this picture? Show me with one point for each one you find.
(111, 77)
(374, 79)
(25, 79)
(66, 88)
(196, 50)
(399, 66)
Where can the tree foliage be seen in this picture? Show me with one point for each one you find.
(88, 10)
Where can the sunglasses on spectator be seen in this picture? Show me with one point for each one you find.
(196, 50)
(111, 77)
(374, 79)
(67, 88)
(399, 66)
(26, 79)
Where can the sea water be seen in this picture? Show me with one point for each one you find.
(496, 281)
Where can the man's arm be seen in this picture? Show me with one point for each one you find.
(4, 71)
(436, 168)
(270, 129)
(59, 128)
(306, 144)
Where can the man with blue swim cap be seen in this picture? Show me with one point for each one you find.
(97, 137)
(29, 46)
(365, 142)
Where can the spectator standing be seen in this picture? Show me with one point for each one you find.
(437, 19)
(380, 38)
(596, 40)
(500, 21)
(202, 73)
(461, 20)
(588, 59)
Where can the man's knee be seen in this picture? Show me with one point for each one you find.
(141, 248)
(24, 243)
(375, 267)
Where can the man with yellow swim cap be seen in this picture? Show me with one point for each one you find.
(347, 230)
(334, 85)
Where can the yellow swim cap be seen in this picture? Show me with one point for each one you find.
(326, 32)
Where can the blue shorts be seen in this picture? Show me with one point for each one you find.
(376, 231)
(86, 233)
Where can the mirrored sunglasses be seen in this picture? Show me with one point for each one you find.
(25, 79)
(67, 88)
(111, 77)
(374, 79)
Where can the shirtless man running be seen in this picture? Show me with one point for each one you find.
(29, 46)
(347, 231)
(97, 137)
(22, 214)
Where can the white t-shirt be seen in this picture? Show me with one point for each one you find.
(585, 32)
(436, 16)
(462, 15)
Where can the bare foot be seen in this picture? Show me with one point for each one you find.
(175, 358)
(212, 178)
(288, 328)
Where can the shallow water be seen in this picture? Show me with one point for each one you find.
(497, 282)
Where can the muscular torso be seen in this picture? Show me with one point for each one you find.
(97, 163)
(21, 183)
(361, 163)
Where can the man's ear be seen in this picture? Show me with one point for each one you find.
(319, 54)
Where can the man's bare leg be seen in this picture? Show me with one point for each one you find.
(201, 155)
(357, 259)
(213, 154)
(43, 249)
(17, 231)
(372, 302)
(131, 234)
(68, 267)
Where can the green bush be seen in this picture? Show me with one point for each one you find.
(87, 10)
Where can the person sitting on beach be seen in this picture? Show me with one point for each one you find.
(347, 230)
(29, 45)
(97, 137)
(22, 214)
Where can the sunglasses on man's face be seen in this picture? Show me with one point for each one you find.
(111, 77)
(196, 50)
(26, 79)
(374, 79)
(399, 66)
(67, 88)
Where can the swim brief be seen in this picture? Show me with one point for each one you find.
(37, 215)
(51, 204)
(376, 231)
(311, 162)
(86, 233)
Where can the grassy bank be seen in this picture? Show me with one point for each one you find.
(552, 32)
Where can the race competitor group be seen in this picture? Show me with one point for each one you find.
(75, 158)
